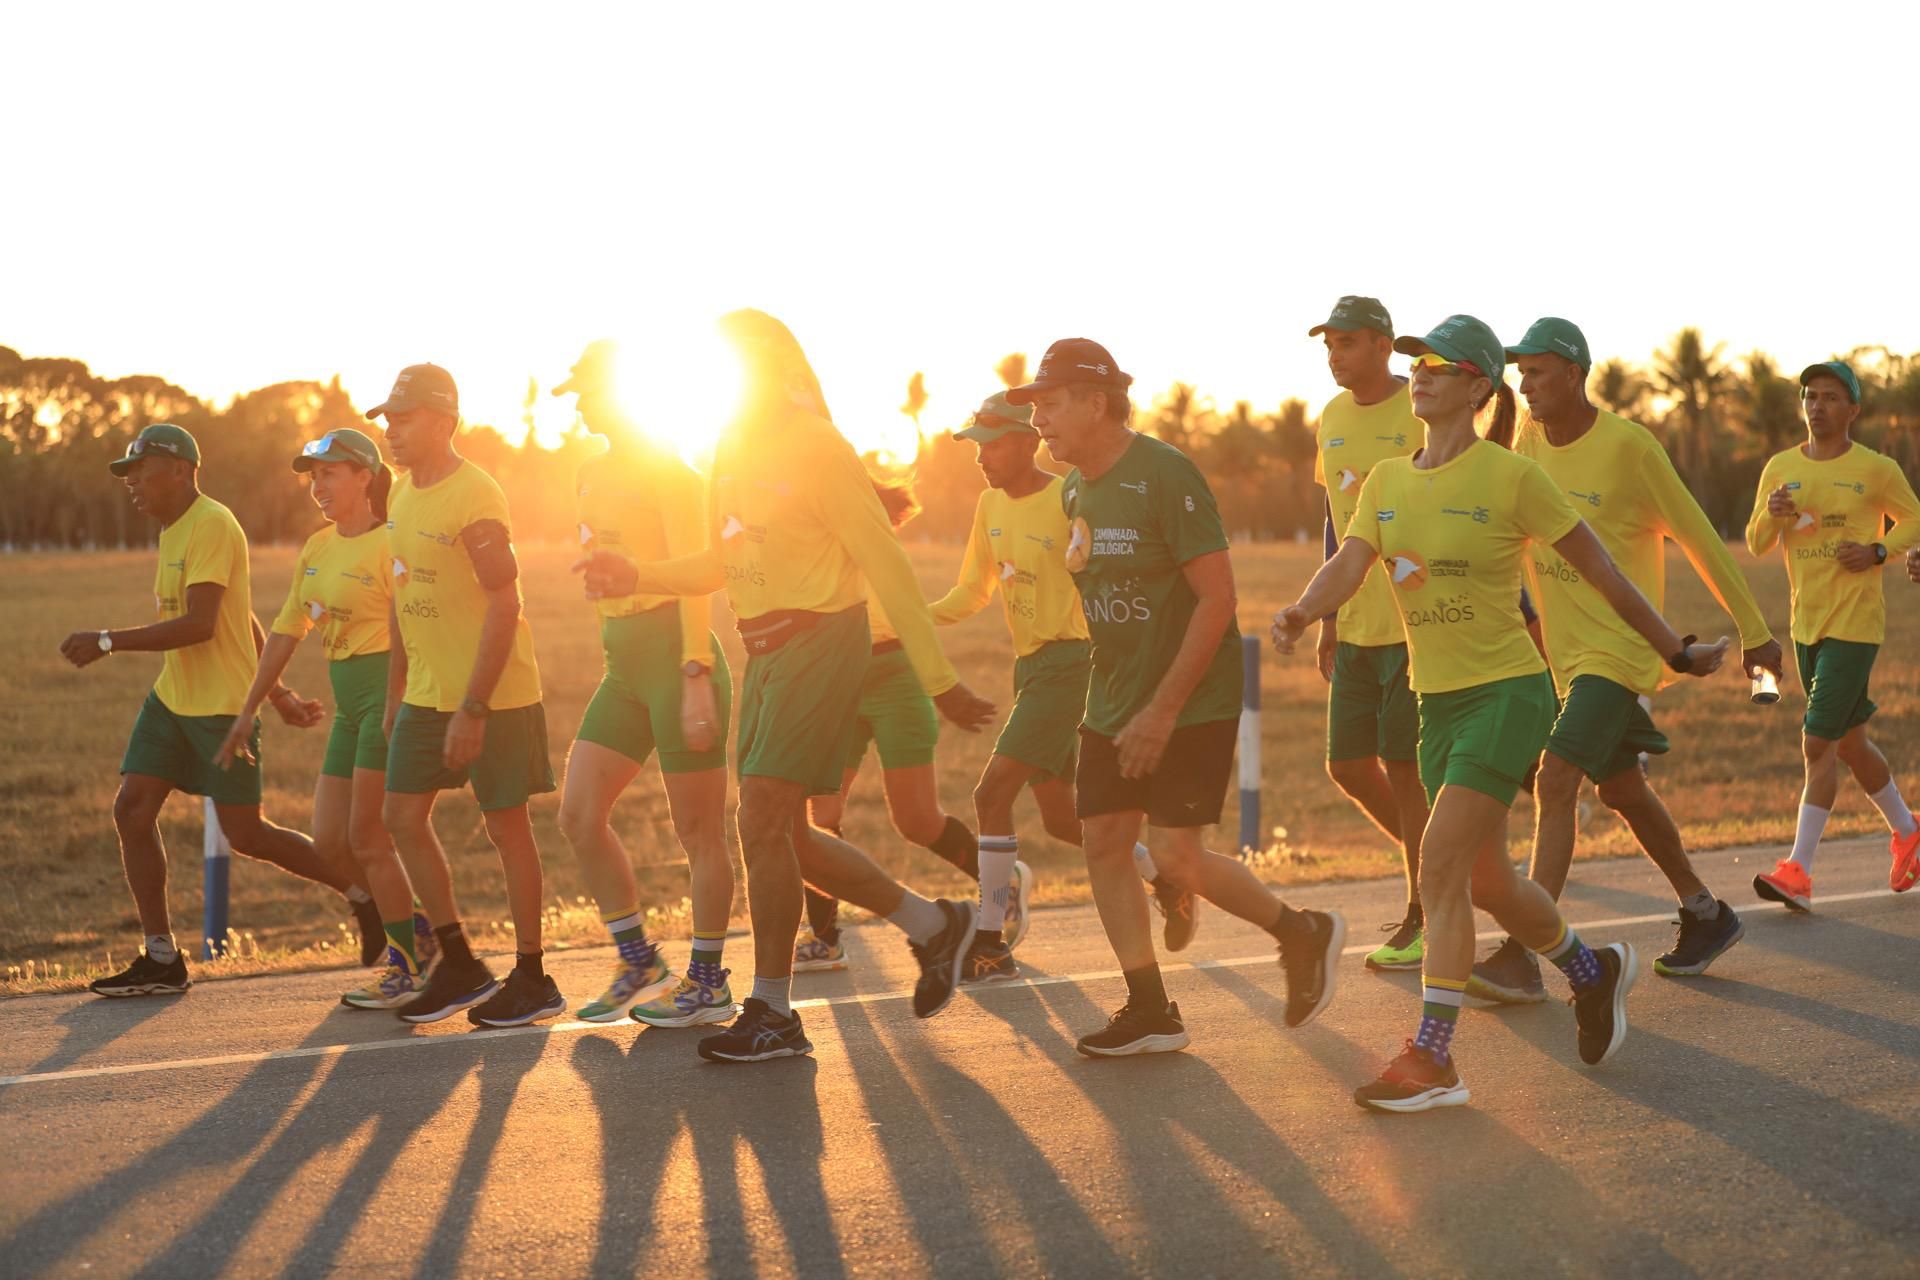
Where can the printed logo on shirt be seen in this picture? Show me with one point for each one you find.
(1591, 499)
(1114, 540)
(1859, 487)
(401, 574)
(1336, 442)
(1805, 519)
(1007, 570)
(1079, 545)
(1138, 486)
(1384, 517)
(316, 610)
(1350, 479)
(1479, 515)
(1398, 439)
(586, 533)
(1117, 604)
(312, 572)
(1444, 611)
(1408, 570)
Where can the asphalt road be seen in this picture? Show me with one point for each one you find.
(1759, 1121)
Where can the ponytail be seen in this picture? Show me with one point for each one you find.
(1505, 414)
(377, 490)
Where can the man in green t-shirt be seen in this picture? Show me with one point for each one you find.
(1149, 555)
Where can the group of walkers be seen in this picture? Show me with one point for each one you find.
(1490, 621)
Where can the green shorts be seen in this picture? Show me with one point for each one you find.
(798, 704)
(1602, 729)
(1486, 737)
(1371, 711)
(357, 740)
(1049, 702)
(179, 749)
(895, 714)
(513, 763)
(1835, 675)
(636, 709)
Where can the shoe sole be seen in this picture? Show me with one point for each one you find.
(800, 1050)
(1395, 966)
(1145, 1044)
(819, 966)
(719, 1013)
(442, 1014)
(988, 980)
(1661, 967)
(541, 1014)
(1023, 897)
(1772, 892)
(1453, 1095)
(1329, 969)
(1480, 989)
(380, 1004)
(959, 960)
(618, 1013)
(1629, 973)
(144, 989)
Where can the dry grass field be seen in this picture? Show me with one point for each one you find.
(1733, 778)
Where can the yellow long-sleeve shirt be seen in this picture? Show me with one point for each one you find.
(1019, 546)
(796, 524)
(1620, 480)
(1844, 499)
(648, 505)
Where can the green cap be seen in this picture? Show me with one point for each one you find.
(341, 445)
(593, 369)
(998, 416)
(1550, 335)
(1825, 369)
(161, 440)
(1355, 312)
(1460, 338)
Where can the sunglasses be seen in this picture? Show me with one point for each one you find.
(140, 448)
(1434, 362)
(314, 448)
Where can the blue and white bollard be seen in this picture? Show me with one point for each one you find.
(217, 855)
(1250, 838)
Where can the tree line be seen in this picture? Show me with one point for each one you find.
(1719, 417)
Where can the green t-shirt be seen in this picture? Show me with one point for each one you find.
(1131, 531)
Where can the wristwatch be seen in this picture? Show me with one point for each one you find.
(692, 668)
(1879, 553)
(106, 637)
(1683, 661)
(474, 707)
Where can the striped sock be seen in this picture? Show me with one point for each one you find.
(997, 856)
(704, 966)
(1439, 1011)
(1574, 958)
(630, 936)
(401, 936)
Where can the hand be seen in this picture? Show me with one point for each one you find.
(466, 735)
(1288, 626)
(1143, 740)
(1706, 658)
(235, 746)
(699, 714)
(82, 648)
(1855, 557)
(1780, 503)
(964, 707)
(301, 713)
(607, 574)
(1761, 656)
(1329, 645)
(1913, 563)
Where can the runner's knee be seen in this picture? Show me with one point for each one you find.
(1623, 791)
(1558, 782)
(133, 809)
(1351, 775)
(580, 819)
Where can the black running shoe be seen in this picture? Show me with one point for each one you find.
(145, 977)
(450, 988)
(373, 932)
(1700, 942)
(1601, 1010)
(757, 1035)
(1509, 975)
(1413, 1082)
(1311, 962)
(1182, 912)
(988, 962)
(942, 959)
(520, 1000)
(1132, 1031)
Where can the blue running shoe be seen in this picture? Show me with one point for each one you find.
(1700, 942)
(690, 1004)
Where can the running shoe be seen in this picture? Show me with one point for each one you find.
(1414, 1082)
(630, 986)
(145, 977)
(426, 944)
(1601, 1011)
(988, 962)
(373, 931)
(1700, 942)
(1311, 964)
(942, 958)
(521, 999)
(1905, 872)
(1019, 894)
(811, 955)
(1182, 912)
(1132, 1031)
(450, 988)
(397, 984)
(1788, 882)
(1509, 975)
(1406, 949)
(690, 1004)
(757, 1035)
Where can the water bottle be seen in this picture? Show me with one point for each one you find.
(1766, 687)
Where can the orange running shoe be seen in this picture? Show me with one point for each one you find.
(1789, 883)
(1905, 872)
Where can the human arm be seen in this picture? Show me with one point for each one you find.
(1333, 585)
(396, 668)
(1329, 626)
(683, 517)
(976, 581)
(1688, 525)
(498, 572)
(1143, 739)
(194, 626)
(1582, 549)
(1772, 506)
(274, 657)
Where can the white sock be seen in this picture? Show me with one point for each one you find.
(777, 993)
(1899, 818)
(160, 948)
(997, 856)
(1806, 838)
(918, 918)
(1143, 863)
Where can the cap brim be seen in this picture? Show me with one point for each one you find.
(384, 407)
(1411, 346)
(1025, 394)
(120, 466)
(987, 434)
(1531, 349)
(571, 384)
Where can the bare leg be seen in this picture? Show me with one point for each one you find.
(251, 834)
(1227, 883)
(136, 819)
(1411, 796)
(770, 808)
(698, 803)
(409, 818)
(1556, 795)
(511, 832)
(1367, 785)
(596, 776)
(1628, 794)
(1117, 891)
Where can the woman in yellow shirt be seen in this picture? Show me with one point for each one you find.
(1452, 525)
(341, 586)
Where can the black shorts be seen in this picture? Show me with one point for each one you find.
(1187, 790)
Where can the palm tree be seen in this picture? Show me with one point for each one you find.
(1692, 376)
(1012, 369)
(1769, 403)
(1621, 387)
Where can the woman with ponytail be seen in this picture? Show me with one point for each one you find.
(1452, 525)
(342, 586)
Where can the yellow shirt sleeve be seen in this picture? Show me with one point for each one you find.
(1365, 524)
(292, 619)
(1762, 529)
(977, 579)
(1897, 500)
(683, 515)
(1540, 510)
(1688, 525)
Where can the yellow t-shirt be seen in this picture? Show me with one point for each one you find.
(1845, 499)
(1019, 546)
(1451, 540)
(1352, 440)
(439, 601)
(343, 586)
(648, 505)
(1620, 480)
(206, 544)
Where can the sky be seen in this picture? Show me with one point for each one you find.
(234, 195)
